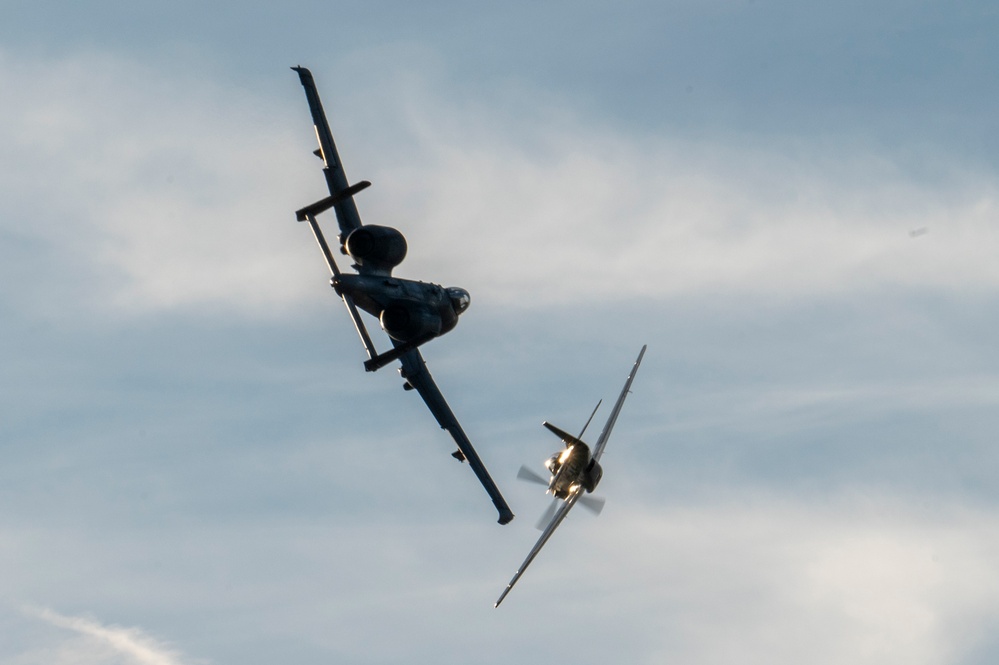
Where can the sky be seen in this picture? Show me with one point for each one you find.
(794, 204)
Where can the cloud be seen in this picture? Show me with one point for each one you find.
(136, 189)
(199, 472)
(132, 644)
(615, 215)
(855, 578)
(157, 191)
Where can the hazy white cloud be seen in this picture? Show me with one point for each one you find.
(174, 191)
(152, 189)
(795, 406)
(107, 644)
(859, 579)
(605, 216)
(246, 484)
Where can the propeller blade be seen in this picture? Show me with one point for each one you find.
(548, 515)
(593, 503)
(525, 473)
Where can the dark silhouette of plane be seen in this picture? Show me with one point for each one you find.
(412, 313)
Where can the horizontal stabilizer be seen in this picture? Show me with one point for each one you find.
(330, 201)
(379, 361)
(567, 438)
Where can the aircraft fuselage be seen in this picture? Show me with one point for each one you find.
(407, 309)
(568, 469)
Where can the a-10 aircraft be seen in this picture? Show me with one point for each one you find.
(411, 312)
(574, 471)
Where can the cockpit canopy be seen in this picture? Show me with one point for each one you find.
(459, 298)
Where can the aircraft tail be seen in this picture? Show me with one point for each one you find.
(567, 439)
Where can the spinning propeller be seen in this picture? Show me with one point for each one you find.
(592, 503)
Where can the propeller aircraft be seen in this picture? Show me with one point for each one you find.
(574, 472)
(412, 313)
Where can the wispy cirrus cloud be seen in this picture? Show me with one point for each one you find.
(134, 645)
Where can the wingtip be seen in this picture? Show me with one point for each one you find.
(505, 517)
(641, 354)
(303, 72)
(502, 596)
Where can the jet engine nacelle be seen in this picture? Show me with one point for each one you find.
(592, 476)
(376, 246)
(405, 322)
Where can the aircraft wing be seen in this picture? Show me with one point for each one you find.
(414, 370)
(336, 179)
(545, 535)
(598, 448)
